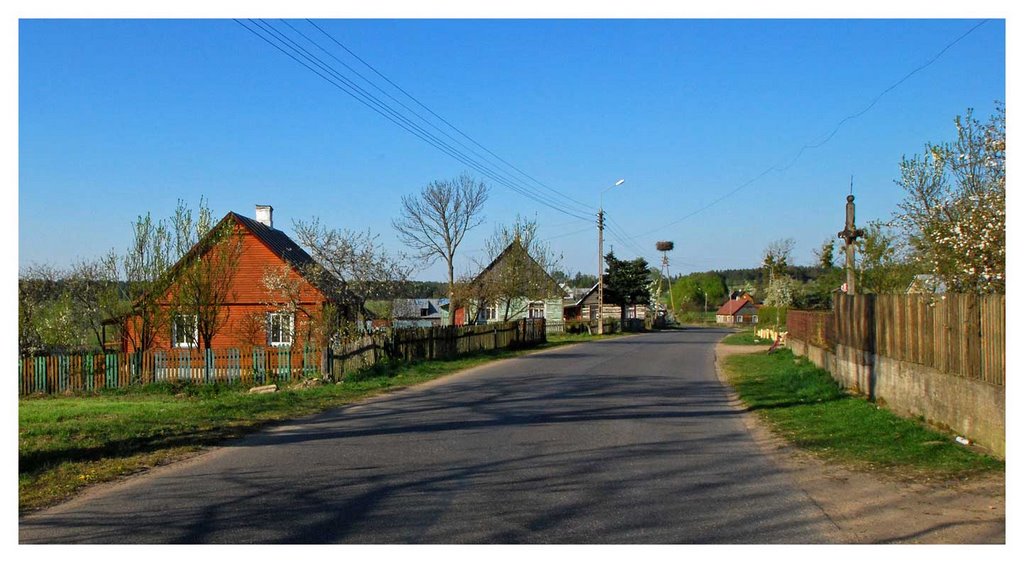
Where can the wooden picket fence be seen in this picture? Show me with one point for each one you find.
(258, 365)
(958, 334)
(93, 372)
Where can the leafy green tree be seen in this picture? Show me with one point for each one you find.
(148, 256)
(954, 207)
(628, 283)
(817, 293)
(584, 280)
(883, 267)
(779, 296)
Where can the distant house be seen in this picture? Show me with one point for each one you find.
(586, 306)
(251, 314)
(737, 312)
(418, 313)
(513, 286)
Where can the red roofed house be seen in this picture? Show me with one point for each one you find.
(249, 312)
(737, 311)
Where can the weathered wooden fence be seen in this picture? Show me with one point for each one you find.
(958, 334)
(257, 365)
(415, 344)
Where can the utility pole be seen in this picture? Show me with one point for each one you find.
(600, 271)
(850, 234)
(665, 246)
(600, 258)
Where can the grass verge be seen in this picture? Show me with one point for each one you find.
(746, 337)
(804, 405)
(67, 443)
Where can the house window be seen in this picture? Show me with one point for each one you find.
(739, 318)
(280, 329)
(536, 310)
(184, 331)
(424, 311)
(753, 320)
(488, 312)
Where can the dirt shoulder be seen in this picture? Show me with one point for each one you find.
(870, 508)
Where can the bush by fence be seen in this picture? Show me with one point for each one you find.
(767, 315)
(257, 365)
(958, 334)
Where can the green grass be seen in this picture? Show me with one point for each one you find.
(747, 337)
(66, 443)
(803, 404)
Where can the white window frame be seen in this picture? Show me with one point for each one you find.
(290, 333)
(535, 307)
(739, 318)
(177, 322)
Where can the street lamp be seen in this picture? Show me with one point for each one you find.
(600, 258)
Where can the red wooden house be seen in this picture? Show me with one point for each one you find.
(742, 310)
(251, 312)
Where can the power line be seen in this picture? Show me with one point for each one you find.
(775, 167)
(443, 120)
(388, 112)
(588, 228)
(619, 232)
(286, 45)
(399, 102)
(879, 96)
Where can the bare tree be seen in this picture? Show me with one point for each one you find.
(353, 263)
(521, 275)
(434, 222)
(284, 289)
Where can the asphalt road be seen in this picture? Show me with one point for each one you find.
(620, 441)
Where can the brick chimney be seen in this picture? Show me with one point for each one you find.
(265, 215)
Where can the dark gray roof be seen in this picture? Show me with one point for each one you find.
(413, 308)
(280, 243)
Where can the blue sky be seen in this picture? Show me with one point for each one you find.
(117, 118)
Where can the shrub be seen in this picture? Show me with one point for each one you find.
(766, 317)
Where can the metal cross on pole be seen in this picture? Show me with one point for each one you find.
(850, 234)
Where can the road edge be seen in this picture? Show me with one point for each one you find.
(866, 509)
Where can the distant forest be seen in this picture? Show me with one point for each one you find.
(737, 278)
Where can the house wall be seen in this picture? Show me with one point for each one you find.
(609, 311)
(248, 299)
(519, 309)
(748, 312)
